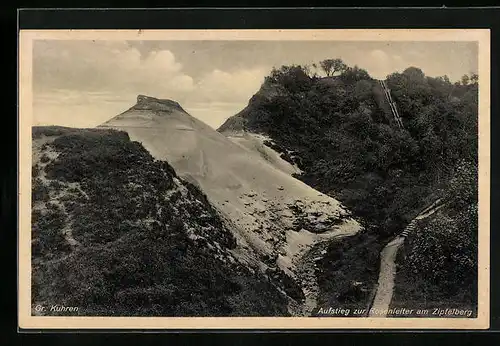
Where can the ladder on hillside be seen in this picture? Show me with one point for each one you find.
(429, 210)
(392, 104)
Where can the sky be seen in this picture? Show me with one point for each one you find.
(82, 83)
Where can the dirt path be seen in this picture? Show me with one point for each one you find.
(385, 288)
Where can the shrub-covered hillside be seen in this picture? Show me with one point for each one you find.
(117, 233)
(437, 266)
(340, 132)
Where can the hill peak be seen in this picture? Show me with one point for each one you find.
(152, 103)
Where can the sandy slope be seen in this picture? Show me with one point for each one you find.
(255, 143)
(248, 182)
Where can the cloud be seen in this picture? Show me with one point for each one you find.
(111, 66)
(220, 94)
(75, 108)
(214, 113)
(83, 83)
(379, 63)
(379, 56)
(222, 86)
(397, 58)
(104, 75)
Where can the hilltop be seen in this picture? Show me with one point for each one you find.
(340, 133)
(276, 218)
(155, 180)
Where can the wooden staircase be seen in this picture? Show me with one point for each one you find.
(392, 104)
(410, 228)
(429, 210)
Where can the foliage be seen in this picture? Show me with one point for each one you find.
(293, 78)
(47, 239)
(342, 138)
(440, 259)
(350, 288)
(462, 188)
(445, 251)
(39, 192)
(354, 74)
(331, 66)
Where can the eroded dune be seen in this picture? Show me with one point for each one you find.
(249, 183)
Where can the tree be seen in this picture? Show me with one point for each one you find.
(307, 70)
(414, 73)
(474, 78)
(354, 74)
(293, 78)
(462, 187)
(331, 66)
(465, 79)
(363, 90)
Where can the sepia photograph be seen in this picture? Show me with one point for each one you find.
(254, 179)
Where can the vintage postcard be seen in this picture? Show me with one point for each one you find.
(254, 179)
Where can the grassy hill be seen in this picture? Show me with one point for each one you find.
(340, 133)
(118, 233)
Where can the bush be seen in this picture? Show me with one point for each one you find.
(39, 192)
(47, 237)
(443, 253)
(35, 170)
(293, 78)
(354, 74)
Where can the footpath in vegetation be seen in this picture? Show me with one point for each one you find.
(341, 132)
(385, 285)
